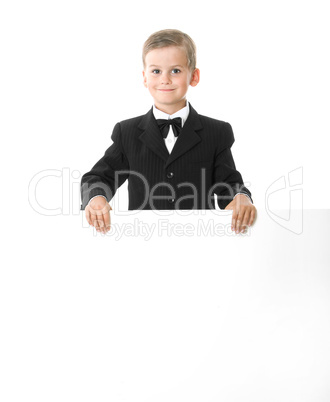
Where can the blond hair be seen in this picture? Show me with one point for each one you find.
(171, 37)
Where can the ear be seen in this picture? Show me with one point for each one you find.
(144, 79)
(195, 77)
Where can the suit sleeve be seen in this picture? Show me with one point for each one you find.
(227, 180)
(108, 174)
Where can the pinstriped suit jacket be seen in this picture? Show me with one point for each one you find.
(199, 166)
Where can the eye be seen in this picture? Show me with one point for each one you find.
(176, 70)
(155, 71)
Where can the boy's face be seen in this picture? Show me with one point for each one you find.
(167, 77)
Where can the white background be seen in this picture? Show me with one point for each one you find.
(205, 318)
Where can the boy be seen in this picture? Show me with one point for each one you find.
(173, 157)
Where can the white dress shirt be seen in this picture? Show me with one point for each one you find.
(183, 113)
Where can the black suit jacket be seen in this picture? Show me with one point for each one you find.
(199, 166)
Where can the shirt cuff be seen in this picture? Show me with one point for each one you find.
(244, 194)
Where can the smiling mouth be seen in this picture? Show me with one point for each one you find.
(166, 90)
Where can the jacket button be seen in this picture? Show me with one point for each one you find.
(170, 175)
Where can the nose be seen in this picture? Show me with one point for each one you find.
(165, 78)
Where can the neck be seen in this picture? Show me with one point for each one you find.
(171, 109)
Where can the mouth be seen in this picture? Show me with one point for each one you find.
(166, 90)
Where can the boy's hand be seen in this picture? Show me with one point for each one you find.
(244, 213)
(98, 214)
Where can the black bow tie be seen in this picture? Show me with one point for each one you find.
(164, 126)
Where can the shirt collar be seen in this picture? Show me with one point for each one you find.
(183, 113)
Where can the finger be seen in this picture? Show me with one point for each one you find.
(234, 219)
(96, 218)
(252, 216)
(239, 221)
(106, 222)
(96, 223)
(245, 221)
(101, 224)
(92, 216)
(88, 215)
(106, 218)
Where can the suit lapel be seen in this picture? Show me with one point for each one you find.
(152, 137)
(188, 137)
